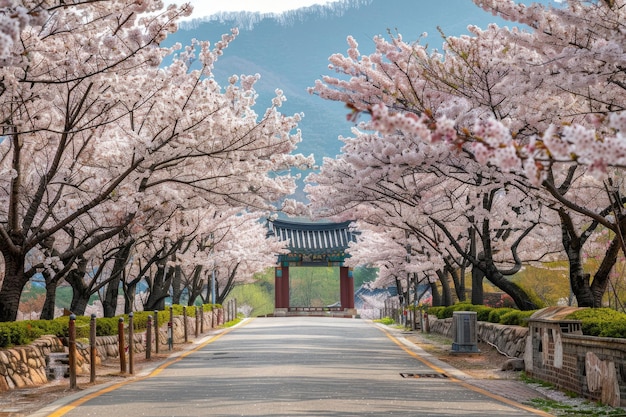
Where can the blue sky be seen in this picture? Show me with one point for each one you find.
(204, 8)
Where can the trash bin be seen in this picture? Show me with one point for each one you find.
(464, 332)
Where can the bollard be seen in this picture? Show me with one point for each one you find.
(92, 349)
(170, 336)
(121, 344)
(170, 330)
(149, 338)
(185, 323)
(202, 319)
(131, 344)
(197, 322)
(156, 332)
(71, 344)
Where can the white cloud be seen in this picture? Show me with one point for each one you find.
(204, 8)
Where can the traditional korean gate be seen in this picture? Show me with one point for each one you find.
(313, 244)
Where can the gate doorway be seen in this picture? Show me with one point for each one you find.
(313, 244)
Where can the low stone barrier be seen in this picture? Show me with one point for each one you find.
(558, 353)
(25, 366)
(555, 351)
(510, 340)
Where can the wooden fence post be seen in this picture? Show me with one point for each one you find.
(92, 349)
(121, 344)
(72, 350)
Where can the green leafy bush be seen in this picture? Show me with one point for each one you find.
(504, 315)
(516, 318)
(11, 335)
(603, 322)
(24, 332)
(438, 312)
(496, 313)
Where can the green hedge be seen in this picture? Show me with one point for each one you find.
(24, 332)
(602, 322)
(502, 315)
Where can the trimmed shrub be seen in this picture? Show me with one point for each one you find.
(603, 322)
(496, 313)
(505, 315)
(436, 311)
(516, 318)
(24, 332)
(482, 313)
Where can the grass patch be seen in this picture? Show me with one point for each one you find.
(568, 410)
(385, 320)
(530, 380)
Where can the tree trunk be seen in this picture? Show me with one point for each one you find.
(434, 290)
(159, 289)
(12, 286)
(79, 305)
(130, 290)
(446, 293)
(603, 274)
(580, 281)
(196, 286)
(81, 293)
(458, 278)
(230, 283)
(109, 304)
(519, 296)
(47, 312)
(478, 293)
(177, 286)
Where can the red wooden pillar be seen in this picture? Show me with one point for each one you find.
(285, 286)
(281, 287)
(346, 288)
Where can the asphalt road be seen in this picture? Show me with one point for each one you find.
(295, 367)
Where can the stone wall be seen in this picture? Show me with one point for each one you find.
(591, 367)
(25, 366)
(555, 351)
(510, 340)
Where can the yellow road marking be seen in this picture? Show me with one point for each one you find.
(69, 407)
(462, 383)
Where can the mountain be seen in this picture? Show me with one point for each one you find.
(290, 51)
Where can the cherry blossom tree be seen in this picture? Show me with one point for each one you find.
(511, 99)
(99, 135)
(438, 199)
(15, 16)
(57, 102)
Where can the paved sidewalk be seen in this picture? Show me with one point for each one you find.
(506, 386)
(517, 391)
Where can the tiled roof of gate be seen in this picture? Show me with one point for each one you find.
(313, 238)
